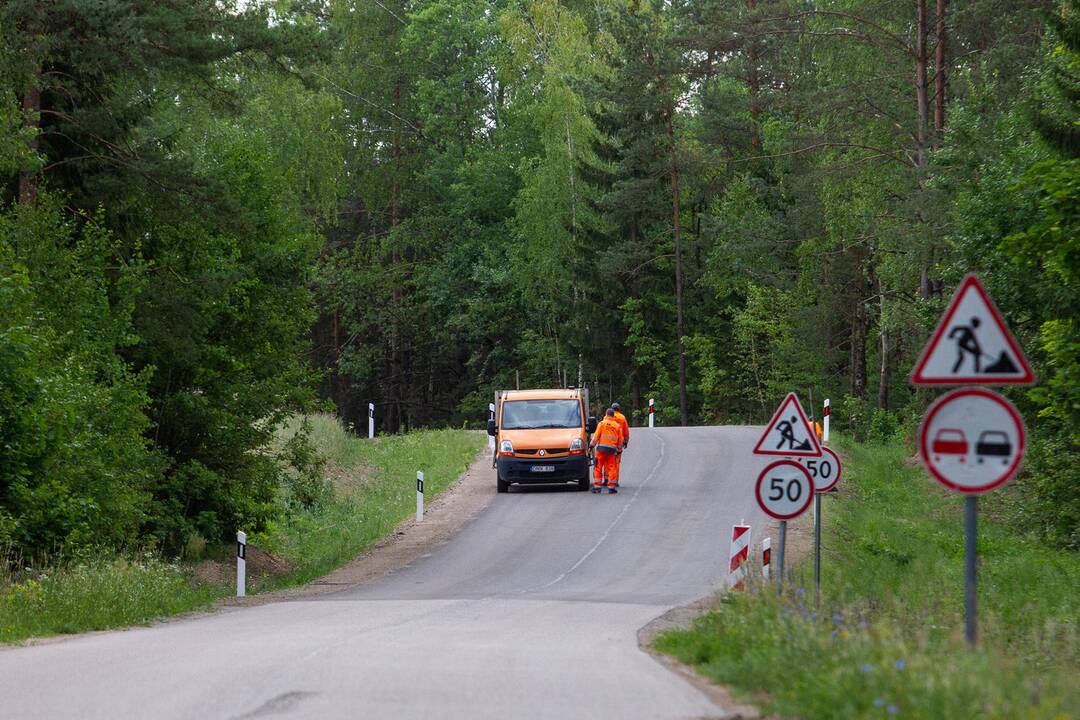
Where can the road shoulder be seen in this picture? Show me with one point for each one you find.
(800, 541)
(410, 541)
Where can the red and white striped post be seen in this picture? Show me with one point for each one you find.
(825, 431)
(766, 557)
(652, 411)
(740, 553)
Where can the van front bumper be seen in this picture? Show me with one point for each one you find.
(521, 470)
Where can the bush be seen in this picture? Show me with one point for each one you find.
(74, 464)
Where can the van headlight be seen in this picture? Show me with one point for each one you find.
(506, 447)
(577, 444)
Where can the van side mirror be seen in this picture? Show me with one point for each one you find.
(493, 429)
(590, 426)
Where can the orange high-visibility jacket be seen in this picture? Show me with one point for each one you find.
(608, 437)
(625, 426)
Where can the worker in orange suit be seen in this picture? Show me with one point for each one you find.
(607, 443)
(625, 426)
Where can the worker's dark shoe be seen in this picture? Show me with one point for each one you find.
(612, 489)
(596, 489)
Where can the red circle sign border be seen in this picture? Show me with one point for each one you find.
(839, 469)
(994, 397)
(809, 495)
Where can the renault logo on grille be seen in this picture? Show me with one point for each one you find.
(543, 452)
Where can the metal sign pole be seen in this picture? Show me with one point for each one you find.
(817, 543)
(780, 557)
(970, 535)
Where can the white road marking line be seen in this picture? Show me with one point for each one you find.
(614, 522)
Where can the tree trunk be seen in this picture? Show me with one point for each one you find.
(921, 96)
(397, 369)
(860, 324)
(940, 76)
(679, 330)
(753, 82)
(31, 107)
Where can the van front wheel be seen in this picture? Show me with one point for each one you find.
(583, 483)
(501, 485)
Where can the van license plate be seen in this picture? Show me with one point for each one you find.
(543, 468)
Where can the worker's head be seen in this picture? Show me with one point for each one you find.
(609, 413)
(616, 406)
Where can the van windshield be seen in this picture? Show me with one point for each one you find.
(536, 414)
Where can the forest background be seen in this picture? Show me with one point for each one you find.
(216, 215)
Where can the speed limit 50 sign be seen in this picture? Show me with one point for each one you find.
(824, 471)
(784, 489)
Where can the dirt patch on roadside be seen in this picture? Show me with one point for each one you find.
(443, 518)
(260, 564)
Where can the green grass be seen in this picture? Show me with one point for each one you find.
(375, 490)
(97, 596)
(886, 638)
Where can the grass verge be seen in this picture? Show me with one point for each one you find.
(99, 595)
(886, 637)
(372, 487)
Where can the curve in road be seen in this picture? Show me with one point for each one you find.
(531, 611)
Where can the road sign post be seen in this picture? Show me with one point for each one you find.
(817, 543)
(780, 557)
(972, 440)
(652, 411)
(370, 420)
(970, 560)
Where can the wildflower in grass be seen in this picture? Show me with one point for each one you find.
(866, 667)
(800, 591)
(879, 702)
(837, 619)
(900, 664)
(892, 709)
(835, 634)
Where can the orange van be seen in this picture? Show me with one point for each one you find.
(542, 436)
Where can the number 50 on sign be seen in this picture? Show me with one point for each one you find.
(784, 489)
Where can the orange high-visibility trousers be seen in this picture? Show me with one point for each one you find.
(606, 467)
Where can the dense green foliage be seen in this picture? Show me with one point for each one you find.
(212, 211)
(888, 628)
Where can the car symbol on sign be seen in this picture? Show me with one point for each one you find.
(993, 443)
(948, 441)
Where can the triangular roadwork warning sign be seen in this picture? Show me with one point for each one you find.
(789, 433)
(972, 345)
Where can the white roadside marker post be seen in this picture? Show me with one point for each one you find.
(241, 563)
(766, 557)
(419, 497)
(491, 416)
(652, 411)
(825, 430)
(370, 420)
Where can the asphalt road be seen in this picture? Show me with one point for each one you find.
(531, 611)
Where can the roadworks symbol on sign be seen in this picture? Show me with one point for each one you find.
(789, 433)
(972, 345)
